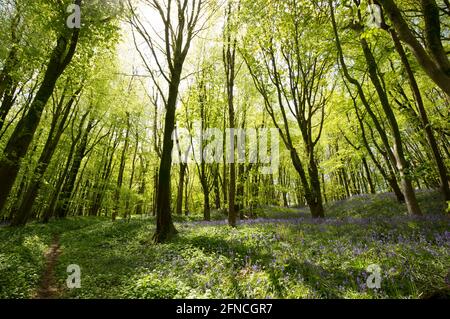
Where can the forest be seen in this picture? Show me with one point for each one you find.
(211, 149)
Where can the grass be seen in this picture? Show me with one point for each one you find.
(282, 254)
(22, 254)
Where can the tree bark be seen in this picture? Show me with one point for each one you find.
(180, 192)
(7, 103)
(368, 176)
(121, 172)
(229, 61)
(165, 228)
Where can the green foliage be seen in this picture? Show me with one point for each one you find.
(155, 286)
(273, 257)
(22, 254)
(21, 262)
(280, 253)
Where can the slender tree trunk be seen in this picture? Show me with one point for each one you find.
(368, 176)
(8, 85)
(225, 167)
(102, 183)
(133, 170)
(363, 98)
(206, 206)
(229, 61)
(240, 189)
(180, 192)
(216, 189)
(232, 182)
(186, 196)
(121, 172)
(142, 187)
(155, 191)
(7, 103)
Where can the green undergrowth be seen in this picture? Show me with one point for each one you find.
(22, 253)
(283, 254)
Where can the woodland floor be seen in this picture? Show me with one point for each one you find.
(282, 254)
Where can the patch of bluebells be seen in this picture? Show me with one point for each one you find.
(302, 257)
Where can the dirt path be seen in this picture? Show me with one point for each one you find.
(48, 287)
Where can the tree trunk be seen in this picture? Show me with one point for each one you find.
(368, 176)
(133, 170)
(7, 103)
(186, 197)
(180, 192)
(314, 197)
(206, 206)
(121, 172)
(216, 189)
(229, 61)
(102, 183)
(8, 85)
(165, 228)
(142, 186)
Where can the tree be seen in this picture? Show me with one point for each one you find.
(60, 58)
(431, 54)
(58, 125)
(397, 156)
(442, 170)
(21, 138)
(122, 168)
(229, 62)
(178, 36)
(291, 78)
